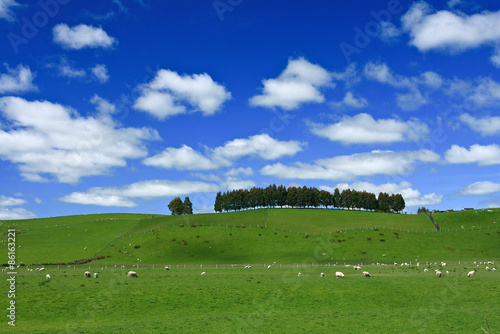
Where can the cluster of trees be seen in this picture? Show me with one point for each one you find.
(178, 207)
(304, 197)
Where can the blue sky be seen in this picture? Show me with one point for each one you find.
(122, 105)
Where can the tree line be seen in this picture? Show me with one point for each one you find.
(306, 197)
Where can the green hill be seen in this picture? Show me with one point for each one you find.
(285, 236)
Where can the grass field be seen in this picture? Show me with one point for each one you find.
(231, 299)
(258, 300)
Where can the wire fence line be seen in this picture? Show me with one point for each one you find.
(270, 265)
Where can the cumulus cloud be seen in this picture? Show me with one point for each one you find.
(487, 126)
(413, 98)
(17, 80)
(350, 101)
(481, 92)
(170, 94)
(482, 155)
(186, 158)
(299, 83)
(363, 129)
(81, 36)
(348, 167)
(411, 196)
(11, 201)
(16, 214)
(451, 31)
(100, 73)
(481, 188)
(121, 196)
(6, 12)
(46, 138)
(389, 32)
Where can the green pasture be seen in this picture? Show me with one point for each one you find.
(257, 300)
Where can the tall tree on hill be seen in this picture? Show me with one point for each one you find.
(397, 202)
(337, 198)
(384, 202)
(281, 194)
(188, 207)
(218, 202)
(176, 206)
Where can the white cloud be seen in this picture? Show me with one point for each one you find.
(363, 129)
(120, 196)
(389, 32)
(351, 101)
(411, 196)
(451, 31)
(81, 36)
(100, 72)
(487, 126)
(481, 188)
(103, 106)
(413, 99)
(299, 83)
(482, 155)
(186, 158)
(66, 70)
(16, 214)
(237, 171)
(6, 11)
(48, 138)
(10, 201)
(17, 80)
(481, 93)
(169, 94)
(453, 3)
(348, 167)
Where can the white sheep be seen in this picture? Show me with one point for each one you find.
(322, 275)
(203, 273)
(487, 268)
(269, 267)
(426, 270)
(366, 274)
(471, 273)
(300, 275)
(339, 274)
(47, 276)
(438, 273)
(494, 269)
(447, 272)
(167, 268)
(42, 269)
(96, 275)
(87, 274)
(132, 274)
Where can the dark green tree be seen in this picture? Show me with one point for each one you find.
(188, 207)
(176, 206)
(218, 202)
(384, 202)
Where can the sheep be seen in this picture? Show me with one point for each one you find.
(426, 270)
(203, 273)
(42, 269)
(47, 276)
(322, 275)
(438, 273)
(487, 268)
(87, 274)
(96, 275)
(167, 268)
(299, 274)
(357, 268)
(471, 273)
(132, 274)
(269, 267)
(447, 272)
(366, 274)
(494, 269)
(339, 274)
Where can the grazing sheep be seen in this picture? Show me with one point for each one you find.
(447, 272)
(426, 270)
(47, 276)
(339, 274)
(96, 275)
(366, 274)
(487, 268)
(132, 274)
(269, 267)
(357, 268)
(87, 274)
(438, 273)
(300, 275)
(42, 269)
(322, 275)
(167, 268)
(471, 273)
(494, 269)
(203, 273)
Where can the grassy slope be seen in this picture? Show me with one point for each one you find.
(63, 239)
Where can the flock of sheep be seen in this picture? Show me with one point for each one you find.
(338, 274)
